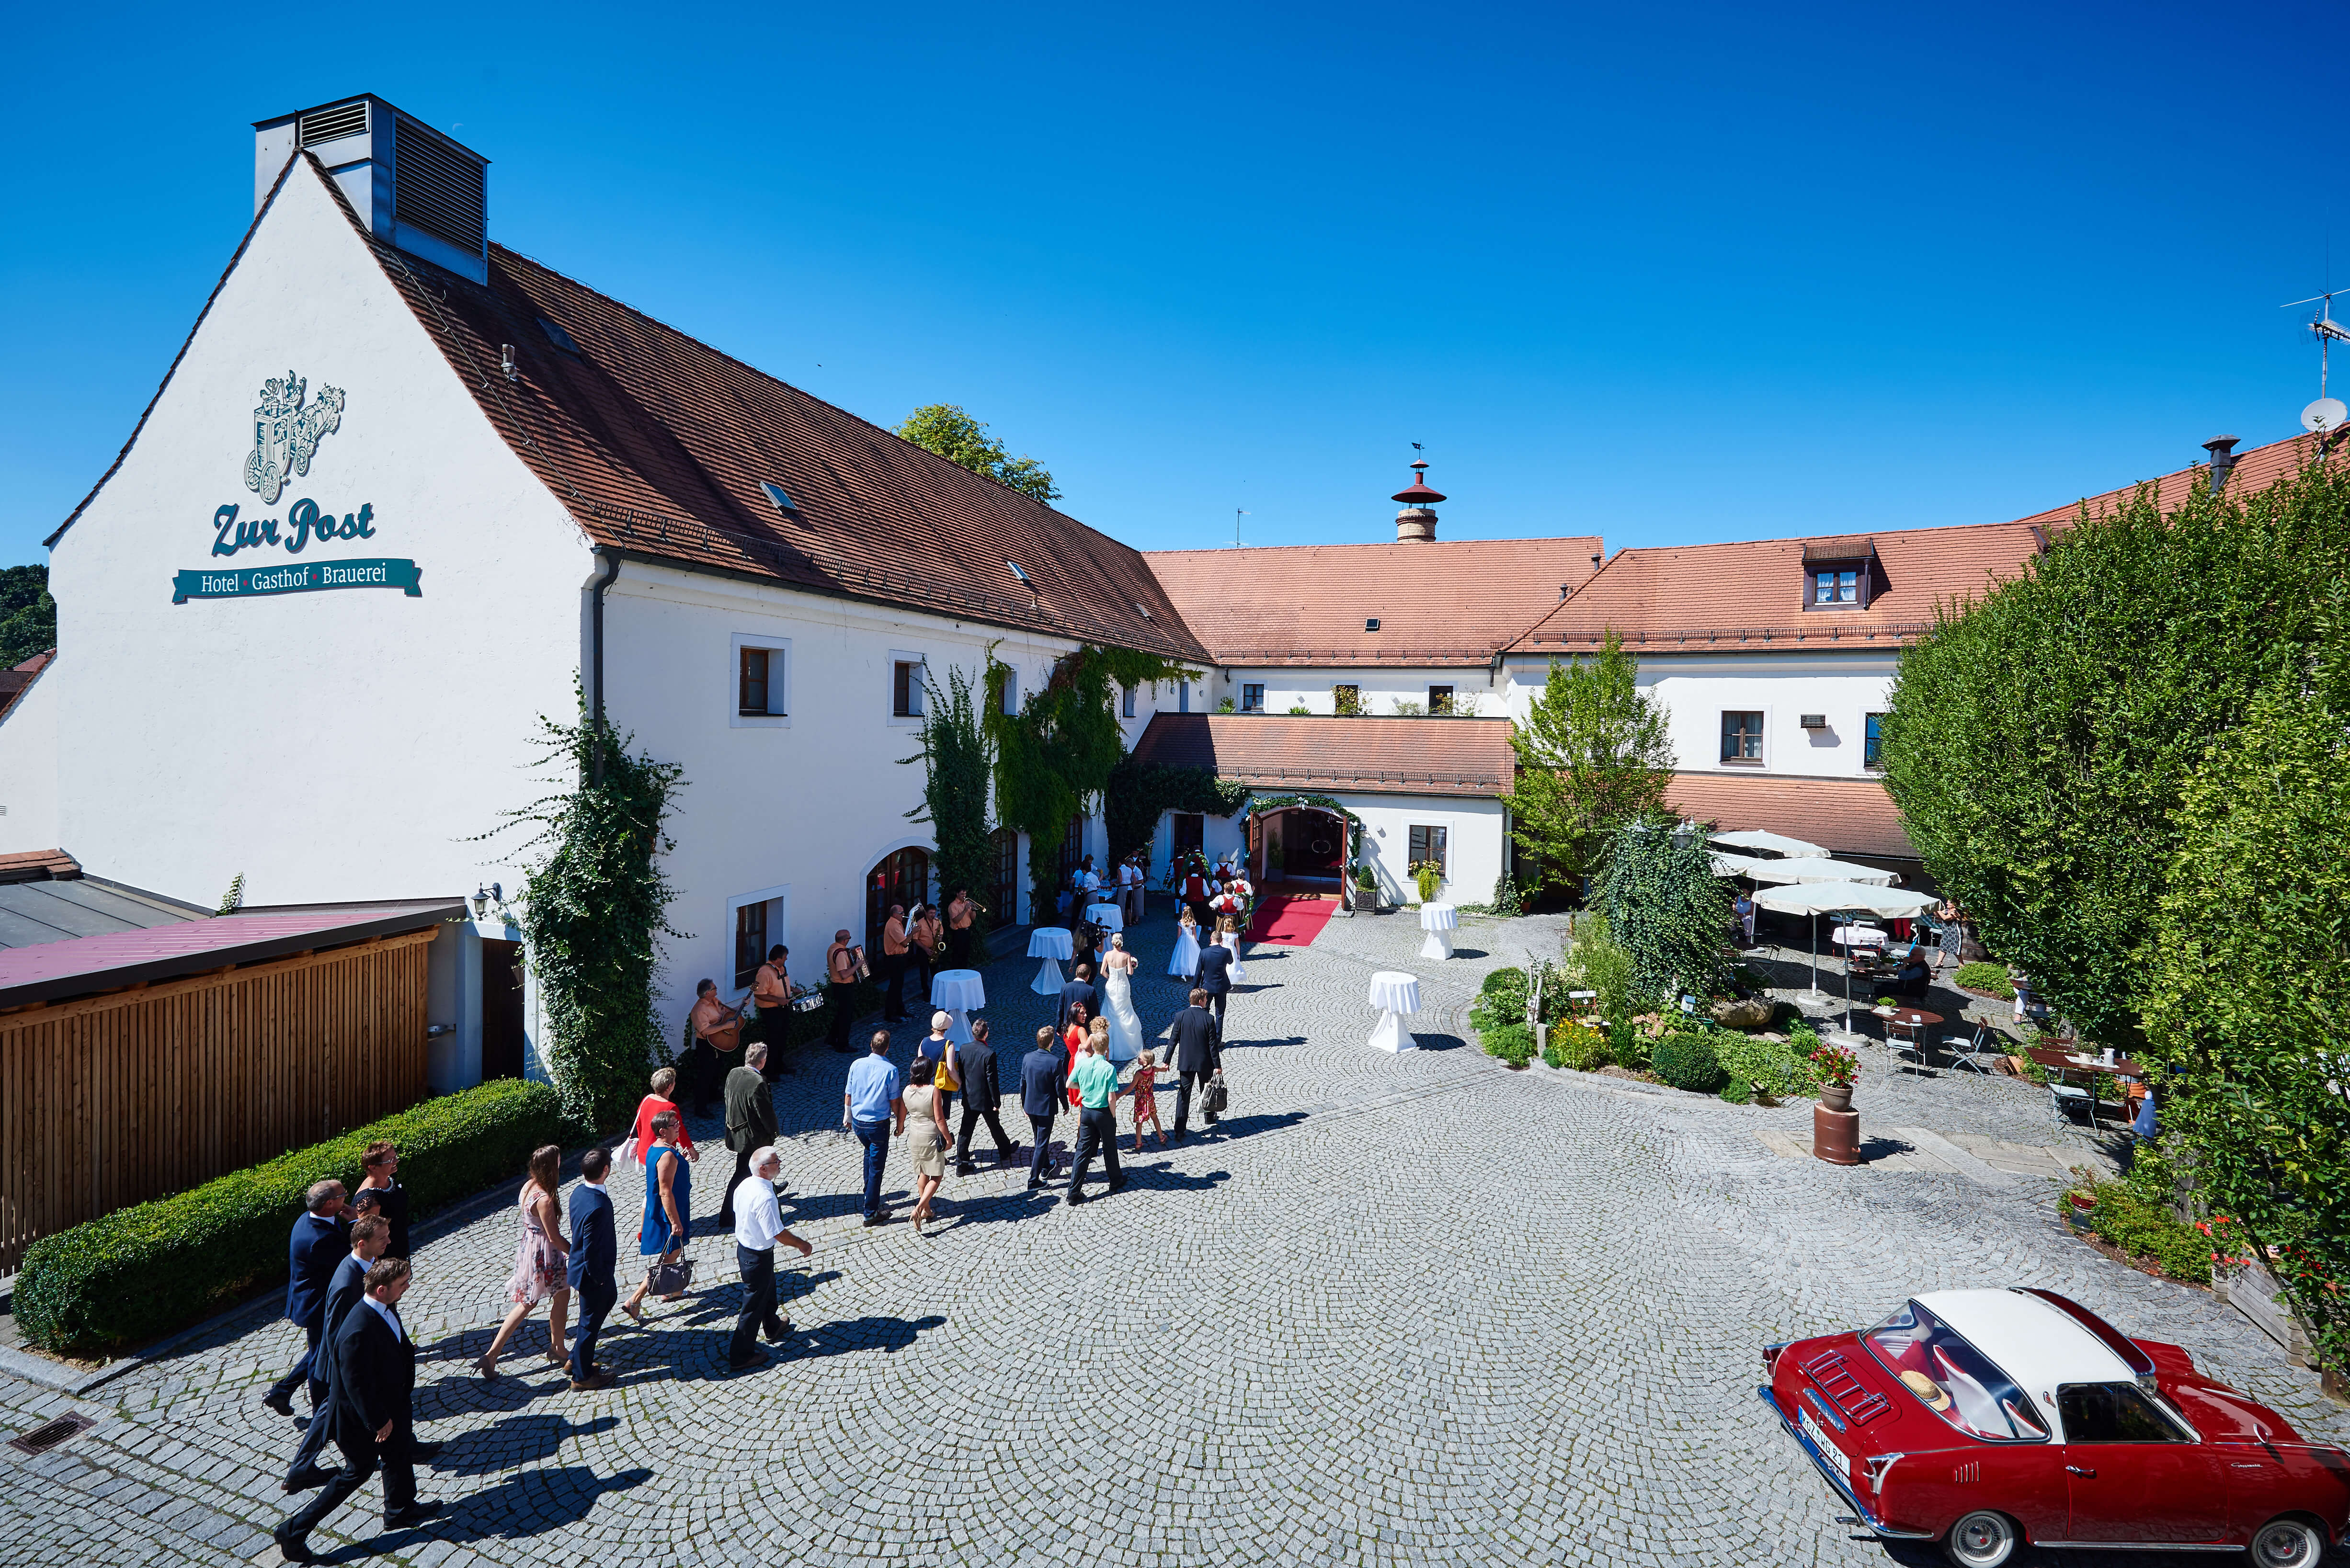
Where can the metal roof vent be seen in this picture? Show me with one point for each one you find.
(411, 186)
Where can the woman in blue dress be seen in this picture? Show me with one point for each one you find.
(669, 1208)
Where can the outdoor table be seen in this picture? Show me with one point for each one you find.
(1439, 921)
(1395, 994)
(960, 991)
(1052, 944)
(1913, 1019)
(2069, 1067)
(1108, 916)
(1857, 937)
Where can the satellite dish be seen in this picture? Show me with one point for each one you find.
(2325, 415)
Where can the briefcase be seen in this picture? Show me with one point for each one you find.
(1216, 1098)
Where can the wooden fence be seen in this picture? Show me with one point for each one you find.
(111, 1100)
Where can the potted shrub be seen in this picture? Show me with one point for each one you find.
(1428, 874)
(1367, 889)
(1835, 1067)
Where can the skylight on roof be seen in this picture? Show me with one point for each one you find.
(1019, 574)
(776, 494)
(556, 335)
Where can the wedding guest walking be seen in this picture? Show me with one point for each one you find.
(372, 1417)
(1949, 933)
(369, 1237)
(1742, 911)
(982, 1100)
(874, 1096)
(669, 1211)
(935, 1063)
(316, 1245)
(1183, 963)
(541, 1259)
(592, 1268)
(758, 1226)
(771, 993)
(1096, 1081)
(1143, 1090)
(1216, 977)
(1078, 989)
(924, 1130)
(641, 1140)
(896, 953)
(1043, 1081)
(1195, 1050)
(379, 1174)
(717, 1035)
(840, 988)
(750, 1118)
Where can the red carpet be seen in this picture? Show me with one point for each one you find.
(1290, 923)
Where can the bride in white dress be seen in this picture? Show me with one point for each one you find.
(1117, 1001)
(1184, 963)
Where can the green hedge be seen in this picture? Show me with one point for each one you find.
(1687, 1061)
(1990, 978)
(1749, 1059)
(2146, 1232)
(146, 1271)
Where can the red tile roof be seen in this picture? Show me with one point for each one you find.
(657, 445)
(1380, 756)
(1844, 816)
(2254, 470)
(1437, 603)
(81, 965)
(38, 865)
(1750, 595)
(13, 683)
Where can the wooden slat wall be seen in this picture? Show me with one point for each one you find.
(112, 1100)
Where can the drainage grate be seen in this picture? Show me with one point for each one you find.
(49, 1434)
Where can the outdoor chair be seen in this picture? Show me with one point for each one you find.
(1982, 1043)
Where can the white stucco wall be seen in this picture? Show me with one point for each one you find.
(1696, 689)
(1380, 688)
(28, 769)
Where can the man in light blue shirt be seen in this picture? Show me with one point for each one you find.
(1096, 1081)
(872, 1099)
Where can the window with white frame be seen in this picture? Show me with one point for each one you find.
(1003, 690)
(906, 679)
(1129, 703)
(761, 682)
(1252, 697)
(1428, 845)
(759, 923)
(1741, 737)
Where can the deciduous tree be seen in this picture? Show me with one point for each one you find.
(945, 429)
(1592, 755)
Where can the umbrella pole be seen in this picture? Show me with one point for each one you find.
(1815, 993)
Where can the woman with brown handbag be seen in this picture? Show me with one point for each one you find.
(669, 1206)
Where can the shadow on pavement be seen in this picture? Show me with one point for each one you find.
(530, 1503)
(517, 1440)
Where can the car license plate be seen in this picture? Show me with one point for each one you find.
(1828, 1450)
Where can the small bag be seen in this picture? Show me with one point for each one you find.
(946, 1078)
(667, 1277)
(1216, 1098)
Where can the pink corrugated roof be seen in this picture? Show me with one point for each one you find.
(51, 964)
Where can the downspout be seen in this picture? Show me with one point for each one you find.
(611, 563)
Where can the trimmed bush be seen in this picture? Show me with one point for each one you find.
(1747, 1060)
(1989, 977)
(1512, 1042)
(2147, 1232)
(147, 1270)
(1687, 1061)
(1503, 979)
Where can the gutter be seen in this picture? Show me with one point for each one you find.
(611, 562)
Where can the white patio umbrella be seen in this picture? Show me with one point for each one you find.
(1758, 838)
(1813, 869)
(1813, 897)
(1738, 864)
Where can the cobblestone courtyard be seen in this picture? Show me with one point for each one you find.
(1395, 1309)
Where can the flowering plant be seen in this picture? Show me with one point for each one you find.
(1836, 1065)
(2227, 1239)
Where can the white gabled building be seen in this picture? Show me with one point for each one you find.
(404, 491)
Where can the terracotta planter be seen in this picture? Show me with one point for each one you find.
(1835, 1136)
(1836, 1096)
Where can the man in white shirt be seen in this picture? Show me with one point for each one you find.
(758, 1226)
(1129, 890)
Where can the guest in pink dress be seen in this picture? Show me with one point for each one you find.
(540, 1256)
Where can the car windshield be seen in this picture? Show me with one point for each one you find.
(1953, 1379)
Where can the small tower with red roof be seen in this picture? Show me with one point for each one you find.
(1416, 524)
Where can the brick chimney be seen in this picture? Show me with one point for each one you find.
(1416, 524)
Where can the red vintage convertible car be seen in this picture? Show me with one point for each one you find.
(1985, 1419)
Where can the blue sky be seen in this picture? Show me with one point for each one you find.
(1662, 274)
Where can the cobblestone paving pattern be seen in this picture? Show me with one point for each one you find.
(1400, 1309)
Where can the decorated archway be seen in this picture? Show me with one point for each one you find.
(1301, 839)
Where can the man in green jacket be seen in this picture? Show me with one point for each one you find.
(750, 1117)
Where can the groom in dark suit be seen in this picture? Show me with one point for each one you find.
(593, 1268)
(371, 1410)
(1216, 977)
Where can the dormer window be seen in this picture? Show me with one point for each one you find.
(1841, 574)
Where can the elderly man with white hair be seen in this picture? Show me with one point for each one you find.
(758, 1226)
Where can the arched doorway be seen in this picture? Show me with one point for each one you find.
(1002, 899)
(903, 877)
(1302, 846)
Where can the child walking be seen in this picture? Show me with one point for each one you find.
(1146, 1097)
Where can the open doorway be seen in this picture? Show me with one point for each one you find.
(1299, 849)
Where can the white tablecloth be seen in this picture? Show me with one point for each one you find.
(1438, 920)
(1395, 994)
(1108, 916)
(1050, 943)
(961, 992)
(1857, 936)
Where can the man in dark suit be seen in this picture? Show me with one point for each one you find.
(983, 1095)
(1080, 988)
(370, 1237)
(592, 1269)
(1216, 977)
(1044, 1090)
(371, 1414)
(317, 1245)
(1195, 1050)
(750, 1118)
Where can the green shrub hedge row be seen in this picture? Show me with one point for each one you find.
(146, 1271)
(1687, 1061)
(2142, 1231)
(1749, 1059)
(1990, 978)
(1499, 1016)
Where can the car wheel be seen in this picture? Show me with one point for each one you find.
(1984, 1540)
(2288, 1543)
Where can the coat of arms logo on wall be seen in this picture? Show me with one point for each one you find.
(286, 430)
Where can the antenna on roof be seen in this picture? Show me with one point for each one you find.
(2328, 412)
(1237, 515)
